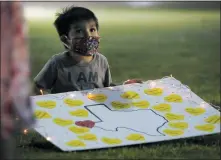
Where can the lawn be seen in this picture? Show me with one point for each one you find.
(146, 44)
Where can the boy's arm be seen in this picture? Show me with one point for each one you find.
(46, 77)
(108, 78)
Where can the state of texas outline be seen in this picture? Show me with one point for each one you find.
(140, 120)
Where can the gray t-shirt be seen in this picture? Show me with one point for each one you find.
(62, 74)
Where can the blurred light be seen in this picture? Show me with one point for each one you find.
(41, 91)
(110, 88)
(48, 138)
(140, 4)
(203, 105)
(152, 84)
(25, 131)
(72, 95)
(32, 12)
(188, 90)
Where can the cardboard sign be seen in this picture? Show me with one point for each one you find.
(124, 115)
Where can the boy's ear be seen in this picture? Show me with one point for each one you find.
(64, 39)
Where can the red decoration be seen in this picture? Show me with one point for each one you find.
(86, 123)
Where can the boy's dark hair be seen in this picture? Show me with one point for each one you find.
(71, 15)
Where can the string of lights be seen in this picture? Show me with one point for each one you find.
(173, 84)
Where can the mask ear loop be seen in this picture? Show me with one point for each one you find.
(66, 45)
(63, 39)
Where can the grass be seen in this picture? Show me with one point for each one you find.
(148, 45)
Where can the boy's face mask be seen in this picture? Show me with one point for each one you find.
(86, 46)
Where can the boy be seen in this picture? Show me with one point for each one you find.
(80, 67)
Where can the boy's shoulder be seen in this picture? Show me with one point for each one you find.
(101, 60)
(60, 56)
(101, 57)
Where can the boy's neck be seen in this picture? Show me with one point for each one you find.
(80, 58)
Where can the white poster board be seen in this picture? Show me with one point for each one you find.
(124, 115)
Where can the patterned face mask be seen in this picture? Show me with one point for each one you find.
(86, 46)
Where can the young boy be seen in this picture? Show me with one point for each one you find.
(80, 67)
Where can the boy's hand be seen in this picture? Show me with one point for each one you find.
(130, 81)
